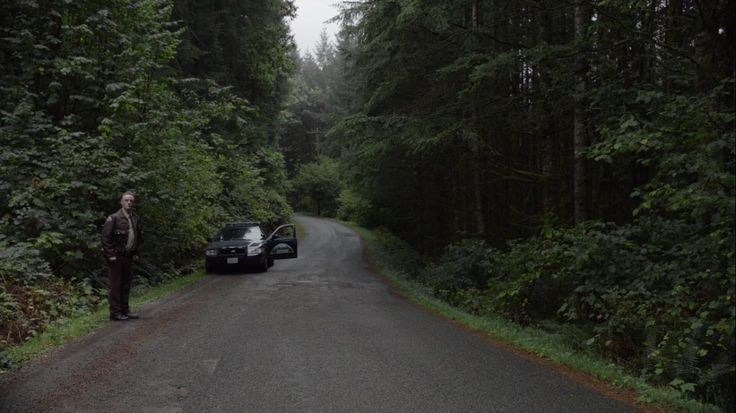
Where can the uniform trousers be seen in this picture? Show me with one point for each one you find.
(121, 277)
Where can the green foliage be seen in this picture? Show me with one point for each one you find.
(352, 207)
(318, 185)
(69, 123)
(639, 294)
(91, 107)
(657, 294)
(687, 215)
(498, 121)
(243, 44)
(461, 273)
(397, 254)
(30, 295)
(690, 141)
(559, 342)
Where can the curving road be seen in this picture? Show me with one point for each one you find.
(315, 334)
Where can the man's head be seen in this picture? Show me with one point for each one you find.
(127, 200)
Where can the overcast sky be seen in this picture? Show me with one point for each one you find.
(310, 19)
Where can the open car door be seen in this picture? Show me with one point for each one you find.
(282, 243)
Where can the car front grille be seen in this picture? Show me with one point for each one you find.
(232, 250)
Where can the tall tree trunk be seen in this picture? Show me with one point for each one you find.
(545, 128)
(705, 45)
(580, 137)
(478, 217)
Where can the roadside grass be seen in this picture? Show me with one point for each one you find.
(300, 232)
(68, 329)
(553, 346)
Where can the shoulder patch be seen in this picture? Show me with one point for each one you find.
(109, 219)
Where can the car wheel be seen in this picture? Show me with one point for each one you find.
(264, 265)
(209, 269)
(270, 262)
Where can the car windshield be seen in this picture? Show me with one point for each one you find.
(252, 233)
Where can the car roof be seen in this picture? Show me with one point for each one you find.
(242, 224)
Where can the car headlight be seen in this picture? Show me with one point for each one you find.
(255, 249)
(211, 253)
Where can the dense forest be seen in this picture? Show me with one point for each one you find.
(176, 101)
(570, 165)
(558, 163)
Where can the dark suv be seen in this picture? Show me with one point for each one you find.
(245, 244)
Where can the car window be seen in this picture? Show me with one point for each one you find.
(287, 232)
(234, 233)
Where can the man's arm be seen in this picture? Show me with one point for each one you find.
(107, 245)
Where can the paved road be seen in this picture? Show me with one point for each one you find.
(315, 334)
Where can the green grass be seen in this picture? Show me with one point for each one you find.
(69, 329)
(300, 232)
(551, 346)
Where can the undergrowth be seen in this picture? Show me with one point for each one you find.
(593, 298)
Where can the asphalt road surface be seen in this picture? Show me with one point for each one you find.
(319, 333)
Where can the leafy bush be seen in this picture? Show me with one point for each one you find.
(651, 295)
(657, 294)
(461, 272)
(317, 186)
(31, 297)
(661, 298)
(398, 254)
(352, 207)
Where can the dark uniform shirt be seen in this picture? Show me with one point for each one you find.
(115, 234)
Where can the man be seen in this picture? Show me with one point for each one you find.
(121, 236)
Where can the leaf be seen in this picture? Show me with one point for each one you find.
(116, 86)
(687, 387)
(629, 123)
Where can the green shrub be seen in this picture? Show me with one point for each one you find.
(317, 185)
(397, 254)
(352, 207)
(662, 298)
(31, 297)
(461, 273)
(655, 295)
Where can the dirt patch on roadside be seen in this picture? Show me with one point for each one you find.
(102, 370)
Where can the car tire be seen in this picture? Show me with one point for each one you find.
(264, 265)
(209, 269)
(270, 262)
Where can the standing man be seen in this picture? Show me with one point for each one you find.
(121, 236)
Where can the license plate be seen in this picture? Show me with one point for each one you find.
(232, 260)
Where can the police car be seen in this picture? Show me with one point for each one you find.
(244, 244)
